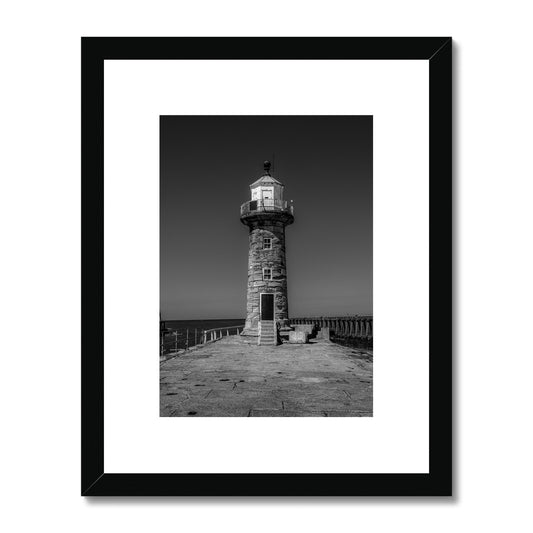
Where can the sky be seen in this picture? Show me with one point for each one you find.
(206, 166)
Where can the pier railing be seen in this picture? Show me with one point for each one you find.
(356, 328)
(215, 334)
(173, 342)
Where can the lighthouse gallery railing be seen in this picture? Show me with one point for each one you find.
(254, 206)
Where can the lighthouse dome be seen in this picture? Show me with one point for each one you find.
(266, 179)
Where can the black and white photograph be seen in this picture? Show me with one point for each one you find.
(266, 276)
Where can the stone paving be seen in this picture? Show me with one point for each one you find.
(231, 378)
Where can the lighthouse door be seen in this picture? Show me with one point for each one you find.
(267, 306)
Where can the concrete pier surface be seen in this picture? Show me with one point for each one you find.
(231, 378)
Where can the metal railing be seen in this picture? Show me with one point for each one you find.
(215, 334)
(254, 206)
(173, 342)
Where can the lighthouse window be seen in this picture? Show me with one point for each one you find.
(267, 274)
(267, 243)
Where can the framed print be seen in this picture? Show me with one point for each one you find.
(259, 215)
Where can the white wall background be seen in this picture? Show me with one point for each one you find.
(39, 291)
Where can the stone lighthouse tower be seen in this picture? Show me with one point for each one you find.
(266, 214)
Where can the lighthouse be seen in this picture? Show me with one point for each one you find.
(266, 214)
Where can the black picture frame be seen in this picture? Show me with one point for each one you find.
(436, 50)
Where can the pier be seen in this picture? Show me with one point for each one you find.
(232, 378)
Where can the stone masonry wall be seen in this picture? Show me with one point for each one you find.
(258, 258)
